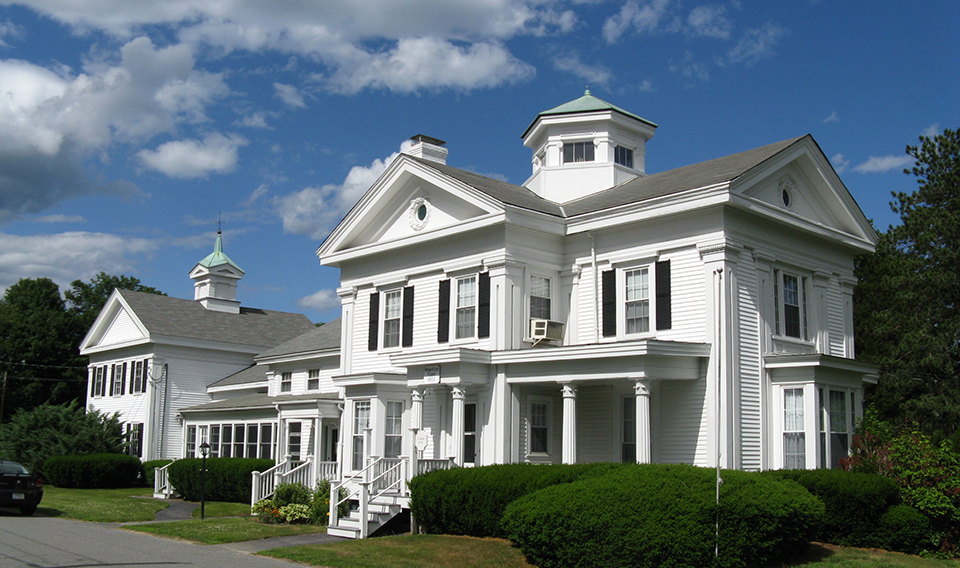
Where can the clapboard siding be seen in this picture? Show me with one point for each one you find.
(121, 329)
(747, 368)
(597, 432)
(683, 422)
(689, 298)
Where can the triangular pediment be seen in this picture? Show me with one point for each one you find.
(116, 325)
(800, 186)
(409, 200)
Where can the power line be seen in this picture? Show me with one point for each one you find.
(25, 364)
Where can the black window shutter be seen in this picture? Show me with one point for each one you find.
(103, 383)
(113, 374)
(664, 303)
(93, 383)
(483, 305)
(609, 302)
(406, 336)
(443, 317)
(372, 338)
(123, 379)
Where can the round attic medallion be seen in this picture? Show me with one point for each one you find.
(419, 213)
(786, 187)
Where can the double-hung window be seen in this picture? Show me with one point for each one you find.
(394, 429)
(313, 379)
(138, 380)
(392, 312)
(539, 297)
(286, 381)
(835, 417)
(135, 439)
(578, 152)
(637, 300)
(539, 427)
(794, 440)
(466, 322)
(119, 379)
(361, 421)
(790, 305)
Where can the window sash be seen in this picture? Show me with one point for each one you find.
(466, 321)
(313, 379)
(538, 428)
(578, 152)
(539, 297)
(286, 381)
(392, 312)
(637, 304)
(623, 156)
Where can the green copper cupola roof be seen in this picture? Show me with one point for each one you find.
(218, 257)
(584, 104)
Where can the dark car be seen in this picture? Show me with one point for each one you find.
(19, 488)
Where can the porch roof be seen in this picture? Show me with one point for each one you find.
(259, 401)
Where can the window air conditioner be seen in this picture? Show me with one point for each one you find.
(541, 329)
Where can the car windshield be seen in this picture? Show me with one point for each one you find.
(12, 467)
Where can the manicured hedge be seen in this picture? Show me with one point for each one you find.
(662, 515)
(149, 468)
(470, 501)
(93, 471)
(855, 502)
(228, 479)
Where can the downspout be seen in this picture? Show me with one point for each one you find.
(163, 412)
(596, 289)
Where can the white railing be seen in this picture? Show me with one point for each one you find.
(326, 470)
(426, 466)
(161, 482)
(302, 474)
(264, 483)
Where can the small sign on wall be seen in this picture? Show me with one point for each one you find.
(421, 441)
(431, 375)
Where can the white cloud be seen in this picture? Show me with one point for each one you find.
(840, 163)
(314, 211)
(646, 86)
(834, 117)
(66, 257)
(52, 120)
(645, 18)
(709, 21)
(880, 164)
(755, 45)
(931, 130)
(60, 219)
(290, 95)
(689, 67)
(187, 159)
(255, 120)
(321, 301)
(593, 74)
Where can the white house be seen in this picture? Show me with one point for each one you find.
(701, 315)
(152, 356)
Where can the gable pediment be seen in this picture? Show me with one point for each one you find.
(409, 200)
(801, 187)
(116, 325)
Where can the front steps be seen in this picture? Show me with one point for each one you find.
(379, 513)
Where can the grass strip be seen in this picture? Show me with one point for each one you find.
(408, 551)
(100, 505)
(222, 509)
(221, 530)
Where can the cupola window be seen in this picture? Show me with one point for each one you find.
(578, 152)
(623, 156)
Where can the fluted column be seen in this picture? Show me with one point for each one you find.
(569, 453)
(642, 391)
(457, 424)
(416, 414)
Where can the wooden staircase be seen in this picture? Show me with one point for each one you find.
(379, 512)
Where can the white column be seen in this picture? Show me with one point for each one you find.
(416, 410)
(456, 426)
(569, 453)
(642, 391)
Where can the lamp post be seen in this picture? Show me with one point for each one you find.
(204, 451)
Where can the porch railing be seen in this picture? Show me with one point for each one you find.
(161, 482)
(308, 472)
(264, 483)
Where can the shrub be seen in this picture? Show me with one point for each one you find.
(295, 513)
(904, 529)
(148, 470)
(290, 493)
(320, 503)
(470, 501)
(660, 515)
(93, 471)
(228, 479)
(266, 511)
(48, 430)
(854, 502)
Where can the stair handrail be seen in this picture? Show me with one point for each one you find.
(398, 483)
(333, 515)
(161, 481)
(302, 473)
(264, 482)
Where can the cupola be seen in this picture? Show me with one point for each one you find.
(215, 280)
(585, 146)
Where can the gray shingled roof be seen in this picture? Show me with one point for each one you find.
(260, 400)
(327, 336)
(163, 315)
(725, 169)
(508, 193)
(252, 374)
(719, 170)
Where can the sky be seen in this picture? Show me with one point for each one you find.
(130, 130)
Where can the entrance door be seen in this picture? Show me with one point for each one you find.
(470, 433)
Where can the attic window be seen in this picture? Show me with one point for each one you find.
(785, 198)
(786, 187)
(577, 152)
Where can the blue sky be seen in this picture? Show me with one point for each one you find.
(128, 126)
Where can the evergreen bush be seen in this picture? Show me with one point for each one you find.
(228, 479)
(854, 502)
(470, 501)
(662, 515)
(93, 471)
(291, 493)
(904, 529)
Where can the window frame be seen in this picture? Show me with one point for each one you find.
(548, 283)
(579, 152)
(360, 423)
(465, 308)
(388, 322)
(393, 429)
(623, 154)
(792, 416)
(781, 326)
(547, 403)
(313, 379)
(286, 382)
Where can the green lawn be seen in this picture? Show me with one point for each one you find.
(101, 505)
(221, 530)
(433, 551)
